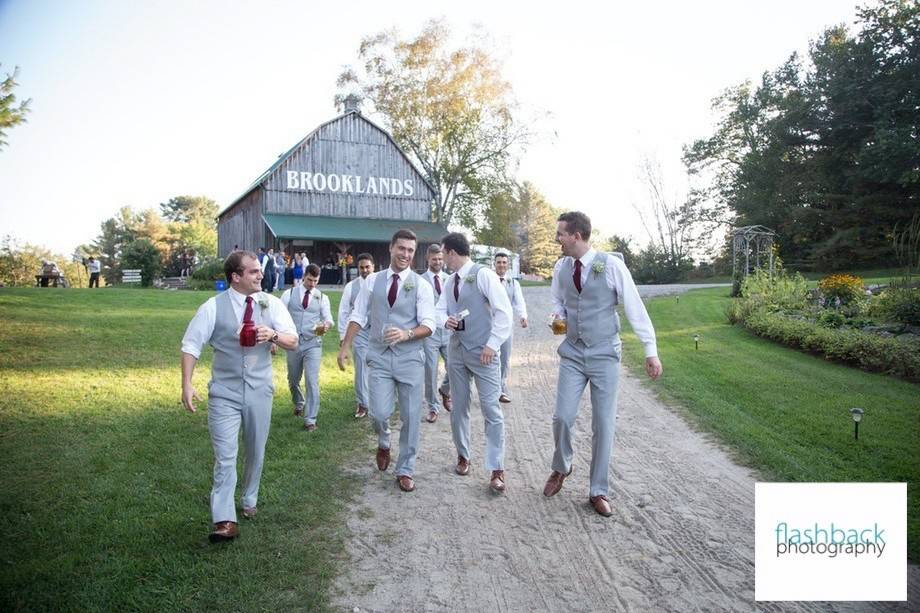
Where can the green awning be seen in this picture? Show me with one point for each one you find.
(349, 229)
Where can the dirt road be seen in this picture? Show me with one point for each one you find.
(680, 539)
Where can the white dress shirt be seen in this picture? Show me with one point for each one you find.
(345, 304)
(520, 307)
(94, 266)
(201, 327)
(618, 278)
(325, 310)
(490, 286)
(424, 298)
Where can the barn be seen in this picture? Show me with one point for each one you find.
(345, 187)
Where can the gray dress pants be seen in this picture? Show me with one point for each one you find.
(464, 367)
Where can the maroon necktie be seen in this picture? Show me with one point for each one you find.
(437, 284)
(306, 299)
(457, 286)
(247, 314)
(391, 295)
(577, 277)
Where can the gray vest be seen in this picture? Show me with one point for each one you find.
(508, 284)
(478, 324)
(306, 319)
(441, 333)
(403, 314)
(236, 369)
(591, 315)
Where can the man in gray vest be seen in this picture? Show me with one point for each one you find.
(399, 307)
(438, 342)
(502, 263)
(359, 346)
(587, 285)
(310, 310)
(240, 391)
(476, 307)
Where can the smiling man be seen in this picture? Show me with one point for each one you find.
(240, 391)
(398, 307)
(587, 285)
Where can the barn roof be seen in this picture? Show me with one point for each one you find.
(358, 230)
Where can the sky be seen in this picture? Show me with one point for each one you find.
(136, 102)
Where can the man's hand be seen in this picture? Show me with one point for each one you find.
(395, 335)
(485, 358)
(451, 323)
(264, 334)
(342, 358)
(523, 322)
(653, 367)
(189, 397)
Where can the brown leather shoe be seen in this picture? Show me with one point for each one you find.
(298, 411)
(504, 399)
(463, 466)
(360, 412)
(432, 417)
(405, 483)
(446, 402)
(309, 427)
(497, 482)
(250, 512)
(554, 483)
(383, 458)
(224, 531)
(601, 504)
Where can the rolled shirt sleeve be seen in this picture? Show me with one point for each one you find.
(424, 304)
(281, 321)
(556, 292)
(620, 279)
(359, 313)
(200, 329)
(491, 287)
(343, 309)
(520, 307)
(326, 311)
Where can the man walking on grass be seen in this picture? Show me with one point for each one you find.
(359, 346)
(240, 391)
(399, 308)
(587, 285)
(311, 313)
(476, 307)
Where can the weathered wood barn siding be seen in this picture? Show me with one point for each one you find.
(353, 150)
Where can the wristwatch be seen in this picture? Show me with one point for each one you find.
(411, 334)
(275, 337)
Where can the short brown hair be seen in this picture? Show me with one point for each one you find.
(313, 270)
(576, 221)
(433, 249)
(404, 233)
(456, 242)
(365, 256)
(501, 254)
(234, 263)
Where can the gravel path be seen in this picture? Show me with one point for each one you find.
(680, 539)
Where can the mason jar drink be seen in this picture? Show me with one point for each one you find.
(559, 326)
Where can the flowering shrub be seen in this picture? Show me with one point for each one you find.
(841, 289)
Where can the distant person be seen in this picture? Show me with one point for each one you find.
(312, 316)
(298, 269)
(240, 392)
(279, 271)
(587, 286)
(359, 346)
(516, 296)
(94, 267)
(269, 281)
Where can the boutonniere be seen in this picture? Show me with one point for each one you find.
(263, 302)
(597, 268)
(470, 279)
(408, 286)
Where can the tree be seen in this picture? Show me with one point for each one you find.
(449, 107)
(539, 249)
(116, 232)
(20, 263)
(615, 243)
(187, 209)
(10, 115)
(502, 222)
(143, 254)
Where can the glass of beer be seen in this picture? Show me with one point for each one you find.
(320, 329)
(558, 325)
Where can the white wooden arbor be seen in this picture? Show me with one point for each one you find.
(752, 248)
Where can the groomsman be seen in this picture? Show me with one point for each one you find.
(359, 348)
(516, 296)
(240, 391)
(474, 352)
(310, 310)
(399, 308)
(587, 285)
(438, 342)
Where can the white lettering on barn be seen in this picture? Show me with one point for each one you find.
(349, 184)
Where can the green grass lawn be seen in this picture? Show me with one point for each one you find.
(104, 494)
(784, 412)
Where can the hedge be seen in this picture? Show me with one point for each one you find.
(864, 350)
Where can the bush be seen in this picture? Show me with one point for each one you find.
(842, 289)
(900, 304)
(831, 319)
(212, 270)
(199, 284)
(142, 254)
(774, 292)
(867, 351)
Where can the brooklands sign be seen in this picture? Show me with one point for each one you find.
(348, 184)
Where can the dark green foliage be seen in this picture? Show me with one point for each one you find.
(142, 254)
(210, 271)
(900, 304)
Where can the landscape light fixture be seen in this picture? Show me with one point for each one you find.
(857, 416)
(696, 341)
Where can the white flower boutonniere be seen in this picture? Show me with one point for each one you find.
(597, 268)
(408, 286)
(263, 302)
(470, 279)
